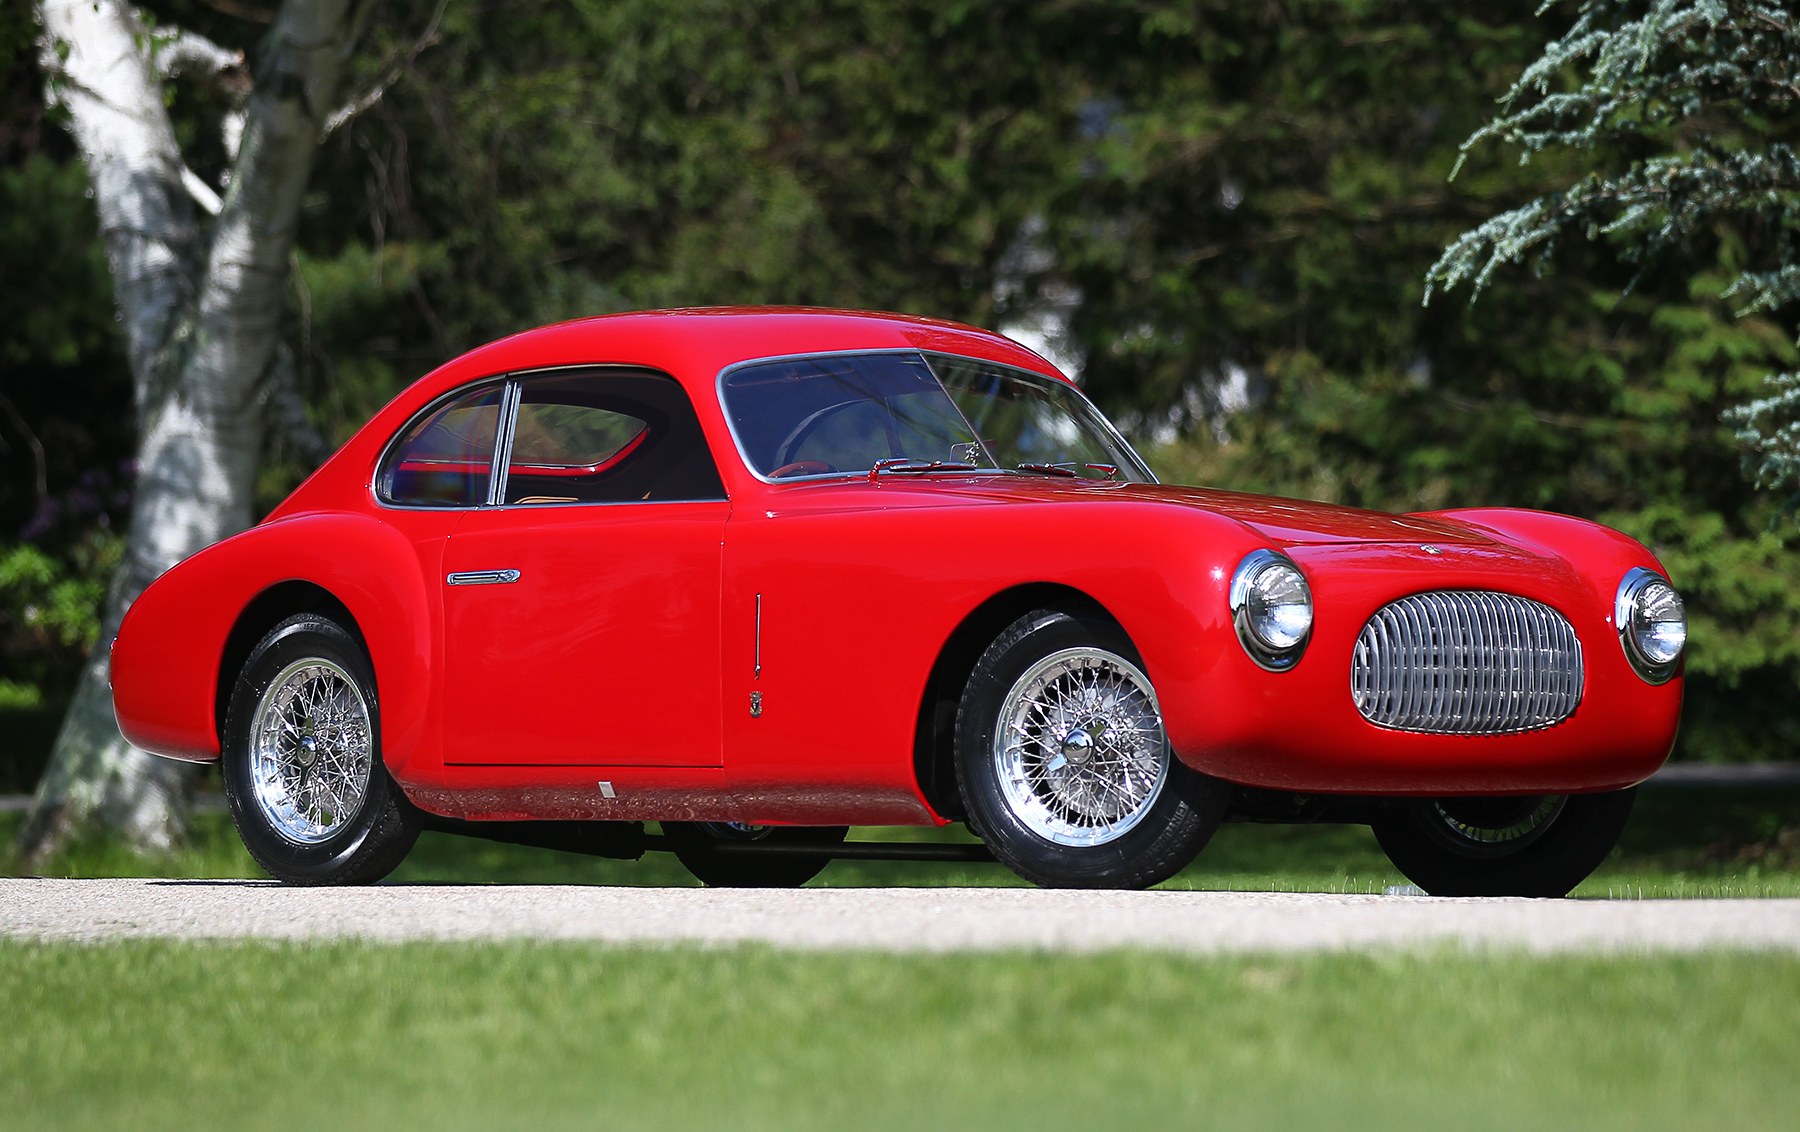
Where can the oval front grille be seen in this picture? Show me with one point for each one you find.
(1466, 662)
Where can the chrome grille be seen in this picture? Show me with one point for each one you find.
(1466, 662)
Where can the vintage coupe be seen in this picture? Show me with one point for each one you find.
(761, 575)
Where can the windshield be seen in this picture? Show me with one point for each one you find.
(821, 416)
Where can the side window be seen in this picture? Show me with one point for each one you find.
(572, 438)
(447, 457)
(607, 437)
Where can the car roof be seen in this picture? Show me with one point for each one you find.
(692, 345)
(695, 344)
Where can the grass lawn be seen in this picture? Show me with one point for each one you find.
(253, 1036)
(1680, 843)
(155, 1035)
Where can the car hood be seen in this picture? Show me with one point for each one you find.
(1290, 522)
(1307, 521)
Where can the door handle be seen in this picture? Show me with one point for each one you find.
(482, 578)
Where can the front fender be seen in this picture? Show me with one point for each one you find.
(1601, 549)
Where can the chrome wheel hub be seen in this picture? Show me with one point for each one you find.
(311, 754)
(1079, 747)
(1493, 826)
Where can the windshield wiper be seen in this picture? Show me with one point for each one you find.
(1067, 468)
(908, 464)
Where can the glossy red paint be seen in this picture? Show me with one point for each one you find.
(605, 652)
(639, 636)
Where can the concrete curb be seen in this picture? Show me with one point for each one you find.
(921, 919)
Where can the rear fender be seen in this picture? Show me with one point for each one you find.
(173, 644)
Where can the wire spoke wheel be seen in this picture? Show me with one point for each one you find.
(310, 751)
(1492, 826)
(302, 763)
(1080, 751)
(1064, 764)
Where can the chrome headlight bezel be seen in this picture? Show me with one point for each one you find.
(1636, 591)
(1255, 579)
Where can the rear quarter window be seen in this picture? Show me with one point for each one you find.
(446, 458)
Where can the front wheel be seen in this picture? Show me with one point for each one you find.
(302, 760)
(1531, 845)
(1064, 764)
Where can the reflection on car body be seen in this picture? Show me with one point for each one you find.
(761, 575)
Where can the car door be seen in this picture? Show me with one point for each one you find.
(839, 591)
(581, 609)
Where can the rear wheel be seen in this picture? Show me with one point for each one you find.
(704, 848)
(1064, 765)
(302, 760)
(1531, 845)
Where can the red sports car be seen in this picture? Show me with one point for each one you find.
(761, 575)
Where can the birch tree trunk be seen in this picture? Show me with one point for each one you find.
(201, 313)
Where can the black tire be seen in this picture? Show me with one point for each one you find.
(1035, 826)
(1541, 845)
(271, 789)
(696, 846)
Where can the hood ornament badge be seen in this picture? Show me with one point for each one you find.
(1429, 549)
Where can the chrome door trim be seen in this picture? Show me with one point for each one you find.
(481, 578)
(503, 445)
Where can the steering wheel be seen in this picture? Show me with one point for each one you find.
(801, 468)
(800, 433)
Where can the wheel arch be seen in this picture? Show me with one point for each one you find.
(935, 729)
(265, 611)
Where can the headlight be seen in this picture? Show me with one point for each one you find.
(1272, 609)
(1652, 624)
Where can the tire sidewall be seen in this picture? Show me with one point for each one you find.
(1163, 842)
(1551, 865)
(301, 638)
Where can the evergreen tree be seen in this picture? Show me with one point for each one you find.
(1687, 111)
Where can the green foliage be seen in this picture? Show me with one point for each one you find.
(58, 301)
(1769, 427)
(50, 607)
(1687, 108)
(65, 398)
(54, 602)
(1252, 185)
(603, 155)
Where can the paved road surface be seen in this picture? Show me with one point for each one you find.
(917, 919)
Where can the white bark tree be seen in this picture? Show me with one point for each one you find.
(200, 301)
